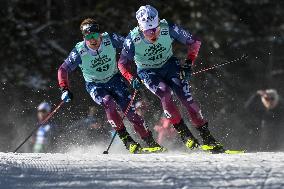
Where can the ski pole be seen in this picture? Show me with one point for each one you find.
(244, 56)
(124, 115)
(39, 124)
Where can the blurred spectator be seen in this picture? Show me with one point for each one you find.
(269, 98)
(94, 129)
(97, 131)
(266, 120)
(141, 107)
(164, 130)
(148, 111)
(43, 139)
(166, 135)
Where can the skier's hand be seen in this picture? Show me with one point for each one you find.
(185, 71)
(136, 83)
(66, 95)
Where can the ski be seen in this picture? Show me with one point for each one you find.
(153, 150)
(220, 150)
(234, 151)
(226, 151)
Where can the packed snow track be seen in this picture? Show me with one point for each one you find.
(184, 171)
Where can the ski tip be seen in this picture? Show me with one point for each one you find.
(235, 151)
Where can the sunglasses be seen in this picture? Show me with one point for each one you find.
(150, 32)
(92, 36)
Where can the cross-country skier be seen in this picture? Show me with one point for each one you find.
(96, 56)
(150, 46)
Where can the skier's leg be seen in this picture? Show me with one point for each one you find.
(116, 121)
(182, 90)
(158, 87)
(104, 98)
(123, 97)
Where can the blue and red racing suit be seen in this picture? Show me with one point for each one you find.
(161, 80)
(109, 92)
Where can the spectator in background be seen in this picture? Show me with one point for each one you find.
(164, 130)
(43, 140)
(141, 107)
(164, 133)
(266, 119)
(148, 111)
(269, 98)
(98, 132)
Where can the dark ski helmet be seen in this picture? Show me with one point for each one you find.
(89, 25)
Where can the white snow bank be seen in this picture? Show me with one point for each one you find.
(89, 169)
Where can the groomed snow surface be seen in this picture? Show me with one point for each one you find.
(88, 169)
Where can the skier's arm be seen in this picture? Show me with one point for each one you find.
(70, 64)
(126, 58)
(124, 64)
(117, 40)
(184, 37)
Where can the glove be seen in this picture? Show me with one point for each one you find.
(136, 84)
(185, 71)
(66, 95)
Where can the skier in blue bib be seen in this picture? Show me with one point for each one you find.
(149, 45)
(96, 56)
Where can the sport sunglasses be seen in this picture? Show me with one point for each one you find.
(92, 36)
(151, 32)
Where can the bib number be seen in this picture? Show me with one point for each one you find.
(156, 57)
(103, 68)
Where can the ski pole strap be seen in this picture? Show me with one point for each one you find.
(244, 56)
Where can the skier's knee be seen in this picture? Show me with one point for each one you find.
(174, 117)
(109, 103)
(165, 93)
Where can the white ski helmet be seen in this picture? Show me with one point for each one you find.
(44, 106)
(147, 17)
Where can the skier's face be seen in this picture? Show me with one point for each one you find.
(152, 34)
(41, 115)
(93, 40)
(268, 101)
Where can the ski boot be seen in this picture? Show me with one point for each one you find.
(152, 145)
(209, 142)
(132, 146)
(186, 136)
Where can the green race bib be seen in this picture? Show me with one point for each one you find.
(152, 55)
(101, 67)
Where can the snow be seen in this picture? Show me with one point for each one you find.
(91, 169)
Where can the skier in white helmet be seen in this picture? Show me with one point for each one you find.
(150, 46)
